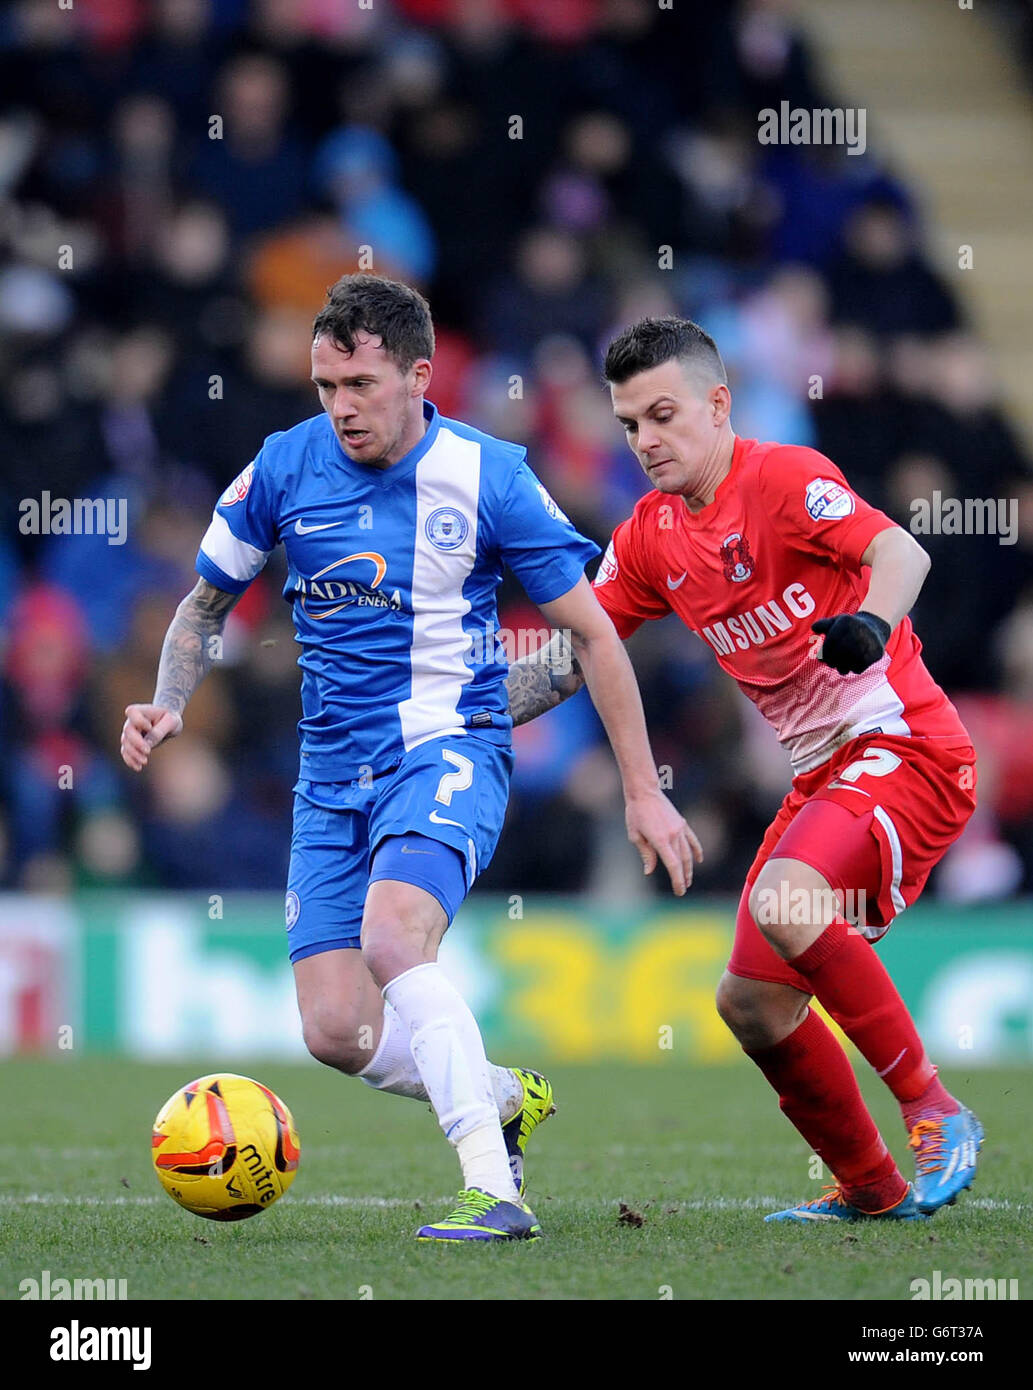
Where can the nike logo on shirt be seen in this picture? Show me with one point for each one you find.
(303, 530)
(676, 583)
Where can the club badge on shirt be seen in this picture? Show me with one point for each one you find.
(736, 559)
(447, 528)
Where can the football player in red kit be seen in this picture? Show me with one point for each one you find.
(802, 591)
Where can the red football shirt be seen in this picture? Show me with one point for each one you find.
(779, 547)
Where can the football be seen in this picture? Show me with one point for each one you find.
(225, 1147)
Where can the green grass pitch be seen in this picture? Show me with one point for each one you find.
(699, 1154)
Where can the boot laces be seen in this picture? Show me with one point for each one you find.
(831, 1195)
(472, 1204)
(927, 1142)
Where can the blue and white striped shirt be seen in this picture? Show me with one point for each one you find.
(393, 577)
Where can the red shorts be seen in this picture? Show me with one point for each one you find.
(875, 819)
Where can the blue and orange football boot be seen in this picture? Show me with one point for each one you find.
(833, 1206)
(946, 1153)
(480, 1216)
(537, 1107)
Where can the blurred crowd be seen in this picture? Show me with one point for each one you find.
(179, 183)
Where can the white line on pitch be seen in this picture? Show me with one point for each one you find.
(58, 1199)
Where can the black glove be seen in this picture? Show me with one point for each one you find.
(853, 641)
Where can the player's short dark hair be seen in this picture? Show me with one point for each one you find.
(397, 314)
(651, 342)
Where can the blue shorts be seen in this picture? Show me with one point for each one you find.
(432, 821)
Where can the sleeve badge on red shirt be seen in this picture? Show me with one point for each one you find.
(736, 558)
(827, 500)
(607, 567)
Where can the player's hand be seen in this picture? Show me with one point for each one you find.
(853, 641)
(146, 726)
(655, 828)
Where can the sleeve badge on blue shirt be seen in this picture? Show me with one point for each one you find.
(550, 506)
(238, 489)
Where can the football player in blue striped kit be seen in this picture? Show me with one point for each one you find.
(396, 525)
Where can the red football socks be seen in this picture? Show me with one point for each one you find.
(935, 1100)
(851, 982)
(818, 1092)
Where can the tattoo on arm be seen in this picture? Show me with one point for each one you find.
(188, 650)
(543, 680)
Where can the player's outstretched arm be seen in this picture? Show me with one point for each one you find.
(654, 826)
(186, 656)
(543, 679)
